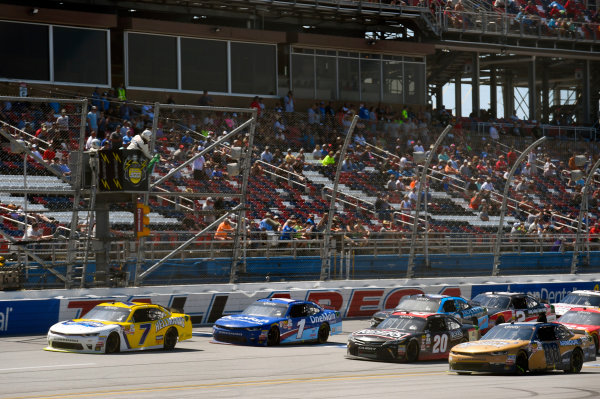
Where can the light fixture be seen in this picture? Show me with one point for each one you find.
(35, 11)
(217, 29)
(132, 10)
(195, 17)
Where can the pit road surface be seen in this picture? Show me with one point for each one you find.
(200, 369)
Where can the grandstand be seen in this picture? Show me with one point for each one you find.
(272, 88)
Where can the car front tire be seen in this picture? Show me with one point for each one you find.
(412, 351)
(522, 364)
(113, 343)
(273, 337)
(323, 334)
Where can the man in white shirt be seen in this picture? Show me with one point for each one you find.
(494, 133)
(488, 185)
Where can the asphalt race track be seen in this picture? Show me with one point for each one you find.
(201, 369)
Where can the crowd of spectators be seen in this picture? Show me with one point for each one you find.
(289, 141)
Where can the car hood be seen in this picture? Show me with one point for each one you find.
(562, 308)
(244, 321)
(490, 345)
(74, 327)
(374, 334)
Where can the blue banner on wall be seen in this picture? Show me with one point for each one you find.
(551, 292)
(20, 317)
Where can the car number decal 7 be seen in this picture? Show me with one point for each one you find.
(146, 328)
(440, 343)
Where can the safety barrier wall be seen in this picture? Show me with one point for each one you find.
(33, 312)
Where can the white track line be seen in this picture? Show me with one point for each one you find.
(46, 367)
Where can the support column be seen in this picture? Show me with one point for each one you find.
(493, 92)
(509, 94)
(532, 90)
(545, 97)
(585, 93)
(458, 94)
(101, 243)
(475, 86)
(439, 96)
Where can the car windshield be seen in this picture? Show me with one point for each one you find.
(492, 301)
(420, 304)
(267, 309)
(582, 300)
(108, 313)
(406, 323)
(581, 317)
(510, 332)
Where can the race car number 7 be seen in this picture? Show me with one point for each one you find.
(301, 324)
(440, 343)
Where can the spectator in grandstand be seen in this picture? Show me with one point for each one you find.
(348, 165)
(488, 185)
(128, 137)
(501, 165)
(594, 234)
(329, 159)
(266, 155)
(92, 119)
(406, 209)
(359, 138)
(549, 168)
(418, 147)
(205, 99)
(35, 152)
(465, 170)
(484, 210)
(494, 135)
(62, 123)
(208, 210)
(198, 165)
(148, 112)
(256, 105)
(449, 169)
(225, 231)
(289, 157)
(288, 230)
(50, 152)
(88, 142)
(288, 102)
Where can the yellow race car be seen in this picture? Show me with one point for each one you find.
(121, 326)
(519, 347)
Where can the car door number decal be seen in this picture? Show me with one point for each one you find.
(440, 343)
(552, 354)
(146, 328)
(520, 315)
(301, 324)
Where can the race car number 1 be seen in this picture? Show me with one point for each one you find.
(301, 324)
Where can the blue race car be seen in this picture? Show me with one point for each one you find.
(465, 311)
(278, 320)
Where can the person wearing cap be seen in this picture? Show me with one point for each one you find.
(288, 229)
(267, 155)
(269, 223)
(142, 142)
(224, 231)
(501, 165)
(488, 185)
(92, 119)
(289, 157)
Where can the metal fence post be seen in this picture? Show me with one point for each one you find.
(422, 183)
(583, 208)
(505, 199)
(326, 262)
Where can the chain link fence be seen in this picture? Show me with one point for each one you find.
(240, 195)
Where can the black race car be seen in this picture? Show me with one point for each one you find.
(410, 337)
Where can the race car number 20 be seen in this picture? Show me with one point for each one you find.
(440, 343)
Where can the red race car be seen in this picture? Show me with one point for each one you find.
(513, 306)
(579, 320)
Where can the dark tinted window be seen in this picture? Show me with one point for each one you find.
(152, 61)
(80, 56)
(25, 53)
(203, 65)
(253, 68)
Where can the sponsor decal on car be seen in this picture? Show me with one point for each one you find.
(571, 342)
(179, 321)
(323, 317)
(383, 333)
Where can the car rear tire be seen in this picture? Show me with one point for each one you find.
(576, 361)
(412, 351)
(323, 334)
(273, 337)
(170, 339)
(113, 343)
(521, 364)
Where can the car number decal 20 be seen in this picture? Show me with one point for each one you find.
(440, 343)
